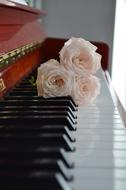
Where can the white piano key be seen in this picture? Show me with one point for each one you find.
(101, 154)
(97, 116)
(101, 162)
(98, 184)
(101, 138)
(102, 126)
(100, 131)
(102, 145)
(99, 173)
(106, 121)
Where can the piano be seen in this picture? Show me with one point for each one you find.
(51, 143)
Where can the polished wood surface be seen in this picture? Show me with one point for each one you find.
(19, 26)
(16, 71)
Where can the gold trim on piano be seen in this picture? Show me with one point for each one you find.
(12, 56)
(2, 85)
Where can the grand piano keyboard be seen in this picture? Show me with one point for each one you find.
(52, 144)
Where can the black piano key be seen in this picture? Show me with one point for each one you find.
(21, 88)
(53, 140)
(35, 153)
(19, 130)
(26, 166)
(32, 97)
(19, 97)
(37, 120)
(65, 98)
(35, 180)
(23, 93)
(26, 85)
(34, 127)
(44, 102)
(31, 109)
(37, 113)
(27, 79)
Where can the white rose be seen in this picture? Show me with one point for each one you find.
(80, 56)
(53, 80)
(85, 89)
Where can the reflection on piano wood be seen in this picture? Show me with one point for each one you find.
(52, 144)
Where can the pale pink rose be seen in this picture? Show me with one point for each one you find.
(80, 56)
(53, 80)
(85, 89)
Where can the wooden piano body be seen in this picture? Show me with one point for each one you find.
(24, 44)
(40, 148)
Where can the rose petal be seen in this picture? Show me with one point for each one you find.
(54, 80)
(80, 56)
(85, 89)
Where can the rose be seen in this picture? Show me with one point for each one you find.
(85, 89)
(54, 80)
(80, 56)
(73, 76)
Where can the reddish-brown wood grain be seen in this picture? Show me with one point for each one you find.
(15, 36)
(16, 71)
(19, 26)
(15, 13)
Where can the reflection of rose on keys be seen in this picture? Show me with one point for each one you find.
(53, 80)
(85, 89)
(88, 137)
(80, 56)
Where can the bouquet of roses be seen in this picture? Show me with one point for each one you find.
(73, 75)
